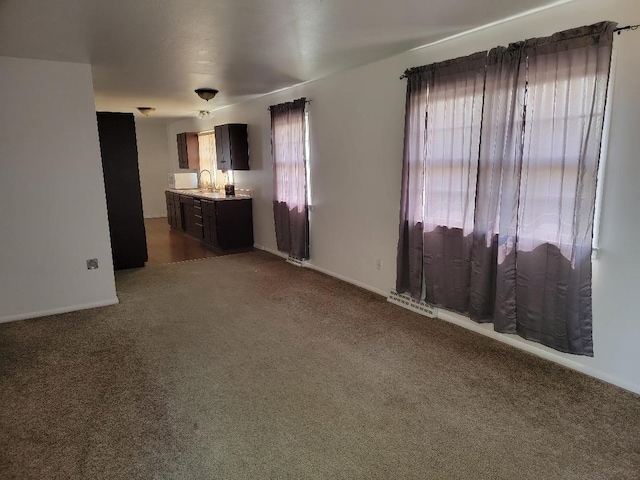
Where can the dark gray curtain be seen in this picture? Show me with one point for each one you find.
(409, 262)
(290, 206)
(444, 103)
(526, 262)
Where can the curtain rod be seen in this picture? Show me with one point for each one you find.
(628, 27)
(306, 101)
(618, 30)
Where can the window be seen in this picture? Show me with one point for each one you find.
(217, 179)
(453, 120)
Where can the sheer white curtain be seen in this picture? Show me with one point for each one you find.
(208, 161)
(288, 149)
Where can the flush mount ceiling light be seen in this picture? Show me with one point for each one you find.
(204, 114)
(146, 110)
(206, 93)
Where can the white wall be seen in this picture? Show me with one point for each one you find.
(52, 195)
(357, 119)
(154, 164)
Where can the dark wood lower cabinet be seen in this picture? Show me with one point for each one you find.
(220, 224)
(171, 209)
(174, 210)
(228, 224)
(191, 216)
(210, 223)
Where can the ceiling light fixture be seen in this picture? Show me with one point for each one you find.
(206, 93)
(146, 110)
(204, 114)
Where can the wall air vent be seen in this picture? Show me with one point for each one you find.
(405, 301)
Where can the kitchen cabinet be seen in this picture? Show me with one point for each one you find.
(232, 146)
(119, 151)
(188, 150)
(174, 211)
(228, 224)
(222, 224)
(171, 214)
(191, 216)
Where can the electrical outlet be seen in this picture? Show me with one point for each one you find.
(92, 263)
(378, 264)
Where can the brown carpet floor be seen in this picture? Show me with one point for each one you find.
(245, 367)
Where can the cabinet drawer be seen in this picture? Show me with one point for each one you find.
(186, 200)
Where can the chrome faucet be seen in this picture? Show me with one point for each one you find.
(200, 178)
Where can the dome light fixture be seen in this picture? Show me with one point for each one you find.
(204, 114)
(146, 111)
(206, 93)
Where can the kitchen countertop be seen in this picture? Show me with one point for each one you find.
(216, 196)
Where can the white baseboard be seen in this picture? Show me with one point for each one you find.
(269, 250)
(345, 279)
(55, 311)
(308, 264)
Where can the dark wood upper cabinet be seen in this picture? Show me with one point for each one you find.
(188, 150)
(119, 150)
(232, 146)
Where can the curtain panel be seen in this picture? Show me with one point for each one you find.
(523, 261)
(290, 206)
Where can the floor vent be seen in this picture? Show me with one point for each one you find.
(405, 301)
(295, 261)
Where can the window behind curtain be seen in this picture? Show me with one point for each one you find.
(453, 121)
(289, 160)
(560, 108)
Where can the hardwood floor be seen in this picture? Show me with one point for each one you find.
(167, 246)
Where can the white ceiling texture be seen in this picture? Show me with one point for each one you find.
(156, 52)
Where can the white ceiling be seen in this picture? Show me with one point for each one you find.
(156, 52)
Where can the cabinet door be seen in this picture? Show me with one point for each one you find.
(235, 224)
(177, 213)
(193, 150)
(209, 223)
(186, 205)
(183, 160)
(170, 208)
(223, 152)
(188, 150)
(238, 146)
